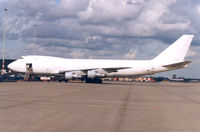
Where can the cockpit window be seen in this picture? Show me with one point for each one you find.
(22, 57)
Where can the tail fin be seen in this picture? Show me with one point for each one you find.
(175, 52)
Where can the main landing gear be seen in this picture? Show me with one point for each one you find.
(95, 80)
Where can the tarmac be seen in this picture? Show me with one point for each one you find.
(107, 107)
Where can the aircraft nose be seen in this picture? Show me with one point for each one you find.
(10, 66)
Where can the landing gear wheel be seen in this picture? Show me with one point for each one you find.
(95, 80)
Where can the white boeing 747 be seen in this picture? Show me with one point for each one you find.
(92, 70)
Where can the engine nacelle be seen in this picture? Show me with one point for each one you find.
(68, 75)
(73, 75)
(95, 74)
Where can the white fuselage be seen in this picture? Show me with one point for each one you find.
(47, 65)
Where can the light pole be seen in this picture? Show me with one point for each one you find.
(35, 25)
(3, 71)
(53, 45)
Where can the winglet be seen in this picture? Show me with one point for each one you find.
(175, 52)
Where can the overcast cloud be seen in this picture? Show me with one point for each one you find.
(110, 29)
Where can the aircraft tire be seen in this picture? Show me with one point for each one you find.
(95, 80)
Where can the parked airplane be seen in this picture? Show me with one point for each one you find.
(92, 70)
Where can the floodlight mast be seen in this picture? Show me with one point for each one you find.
(3, 71)
(35, 26)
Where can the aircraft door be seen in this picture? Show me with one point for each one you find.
(28, 66)
(29, 72)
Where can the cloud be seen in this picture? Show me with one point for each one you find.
(74, 6)
(191, 53)
(109, 11)
(174, 26)
(130, 55)
(122, 29)
(198, 8)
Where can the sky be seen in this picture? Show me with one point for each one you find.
(101, 29)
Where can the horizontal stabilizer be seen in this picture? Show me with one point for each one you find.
(177, 65)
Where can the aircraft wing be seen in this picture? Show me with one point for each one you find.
(107, 70)
(177, 65)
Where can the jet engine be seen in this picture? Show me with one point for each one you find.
(95, 74)
(73, 75)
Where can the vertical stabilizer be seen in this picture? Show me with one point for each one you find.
(175, 52)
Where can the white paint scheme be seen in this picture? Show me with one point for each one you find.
(170, 59)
